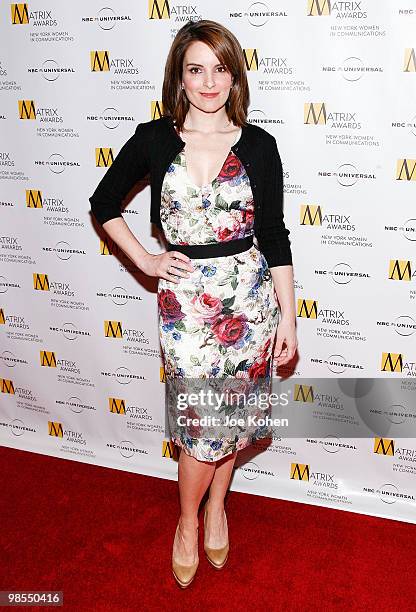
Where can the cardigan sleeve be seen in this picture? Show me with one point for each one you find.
(129, 166)
(273, 235)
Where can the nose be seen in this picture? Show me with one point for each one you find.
(209, 80)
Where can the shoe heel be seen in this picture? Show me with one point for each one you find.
(216, 556)
(184, 574)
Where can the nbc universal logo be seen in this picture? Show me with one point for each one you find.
(346, 19)
(107, 18)
(258, 13)
(56, 162)
(122, 375)
(16, 427)
(63, 250)
(111, 118)
(50, 70)
(119, 296)
(251, 471)
(405, 124)
(352, 69)
(340, 121)
(69, 330)
(348, 175)
(126, 449)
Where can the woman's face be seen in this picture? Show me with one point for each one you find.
(206, 81)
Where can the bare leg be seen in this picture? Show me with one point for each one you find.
(194, 478)
(216, 534)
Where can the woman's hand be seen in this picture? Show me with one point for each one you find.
(286, 333)
(169, 265)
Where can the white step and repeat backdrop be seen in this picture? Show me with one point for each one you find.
(81, 371)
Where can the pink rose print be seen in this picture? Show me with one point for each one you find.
(206, 308)
(227, 227)
(230, 329)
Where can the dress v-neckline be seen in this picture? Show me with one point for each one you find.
(203, 187)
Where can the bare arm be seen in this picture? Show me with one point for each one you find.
(283, 282)
(153, 265)
(286, 331)
(121, 234)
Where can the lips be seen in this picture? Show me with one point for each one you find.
(209, 95)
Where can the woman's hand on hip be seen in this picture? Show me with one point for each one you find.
(169, 265)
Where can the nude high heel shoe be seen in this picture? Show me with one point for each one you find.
(184, 574)
(216, 556)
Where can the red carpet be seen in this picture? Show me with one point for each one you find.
(104, 538)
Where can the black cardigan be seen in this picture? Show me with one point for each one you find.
(153, 147)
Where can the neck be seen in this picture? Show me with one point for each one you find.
(206, 122)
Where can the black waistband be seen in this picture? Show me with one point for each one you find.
(214, 249)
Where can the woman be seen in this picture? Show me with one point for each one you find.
(217, 184)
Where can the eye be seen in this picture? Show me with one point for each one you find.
(193, 68)
(222, 68)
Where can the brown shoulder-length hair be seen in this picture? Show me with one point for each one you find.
(228, 51)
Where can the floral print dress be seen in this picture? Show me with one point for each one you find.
(221, 321)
